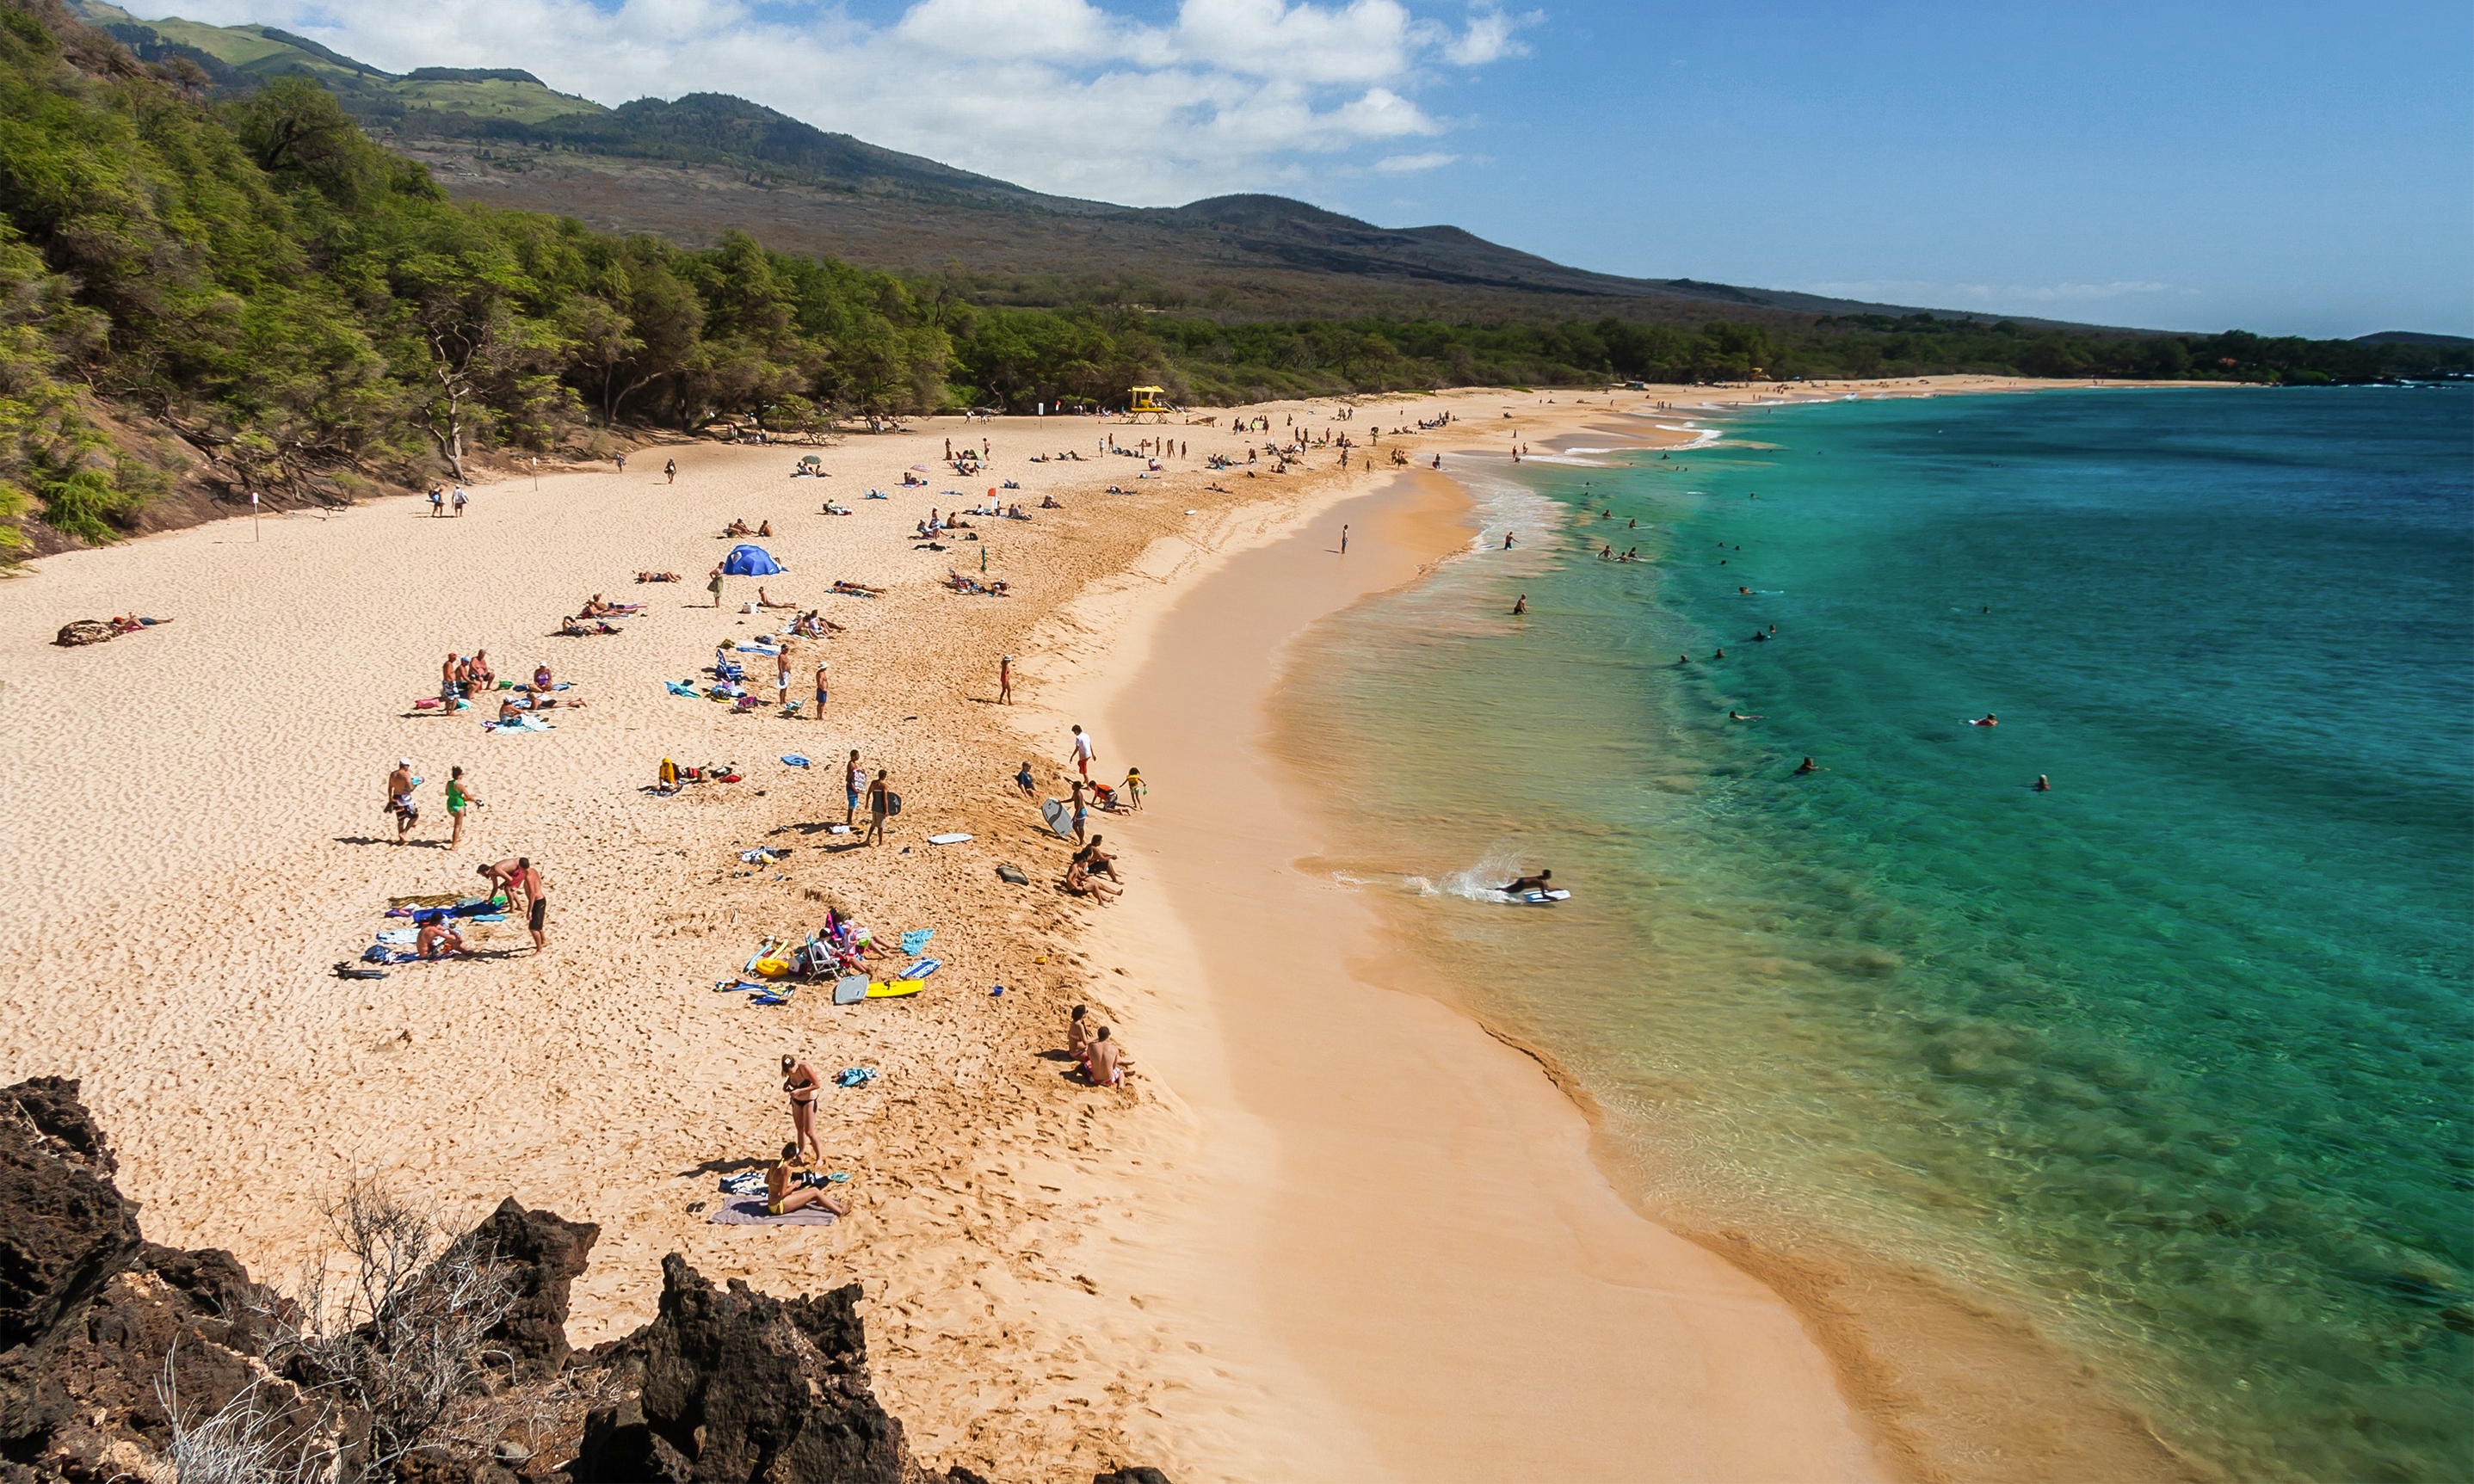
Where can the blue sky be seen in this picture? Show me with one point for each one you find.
(2291, 169)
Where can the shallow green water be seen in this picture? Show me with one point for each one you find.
(2175, 1056)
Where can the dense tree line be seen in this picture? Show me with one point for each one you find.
(304, 313)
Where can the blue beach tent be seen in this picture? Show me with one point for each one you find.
(750, 561)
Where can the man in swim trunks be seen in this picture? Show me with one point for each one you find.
(801, 1082)
(821, 668)
(501, 876)
(528, 879)
(853, 784)
(1542, 881)
(438, 940)
(399, 785)
(1105, 1064)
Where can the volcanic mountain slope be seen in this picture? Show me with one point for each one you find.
(690, 169)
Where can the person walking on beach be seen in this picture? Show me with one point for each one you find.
(714, 585)
(801, 1082)
(853, 784)
(462, 499)
(1084, 754)
(399, 785)
(671, 472)
(437, 501)
(1520, 604)
(880, 803)
(459, 799)
(821, 668)
(1344, 525)
(1005, 679)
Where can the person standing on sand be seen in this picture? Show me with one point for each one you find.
(671, 472)
(399, 785)
(622, 462)
(459, 799)
(1344, 525)
(528, 878)
(801, 1082)
(853, 784)
(821, 668)
(1084, 754)
(880, 803)
(1081, 809)
(781, 678)
(714, 585)
(1005, 679)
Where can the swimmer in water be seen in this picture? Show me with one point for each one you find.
(1540, 882)
(2043, 784)
(1684, 660)
(1720, 655)
(1990, 719)
(1520, 604)
(1744, 592)
(1809, 766)
(1739, 716)
(1758, 637)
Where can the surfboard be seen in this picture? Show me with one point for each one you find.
(951, 839)
(1060, 819)
(1545, 898)
(895, 989)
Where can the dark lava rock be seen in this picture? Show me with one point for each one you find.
(66, 1229)
(1138, 1475)
(546, 1255)
(739, 1387)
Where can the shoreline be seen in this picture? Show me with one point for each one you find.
(1033, 1296)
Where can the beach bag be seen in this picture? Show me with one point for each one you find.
(893, 803)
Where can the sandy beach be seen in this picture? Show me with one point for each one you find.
(1331, 1228)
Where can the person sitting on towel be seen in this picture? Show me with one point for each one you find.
(783, 1194)
(438, 940)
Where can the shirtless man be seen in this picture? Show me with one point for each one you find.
(449, 691)
(783, 1196)
(399, 785)
(800, 1081)
(1542, 881)
(1005, 679)
(1081, 883)
(527, 878)
(853, 785)
(438, 940)
(1097, 861)
(1105, 1064)
(501, 876)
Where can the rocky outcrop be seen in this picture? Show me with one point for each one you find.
(546, 1254)
(738, 1385)
(93, 1316)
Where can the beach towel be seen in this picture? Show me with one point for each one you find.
(794, 759)
(922, 968)
(744, 1183)
(916, 940)
(678, 689)
(751, 1212)
(855, 1076)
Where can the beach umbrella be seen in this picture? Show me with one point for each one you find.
(750, 561)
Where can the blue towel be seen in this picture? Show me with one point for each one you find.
(917, 939)
(794, 759)
(677, 689)
(922, 968)
(853, 1076)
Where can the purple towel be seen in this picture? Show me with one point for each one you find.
(751, 1212)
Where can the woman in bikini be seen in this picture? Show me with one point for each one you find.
(801, 1082)
(782, 1197)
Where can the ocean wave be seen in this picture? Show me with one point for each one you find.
(1481, 882)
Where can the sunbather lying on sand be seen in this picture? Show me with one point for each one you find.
(784, 1195)
(761, 601)
(736, 528)
(1048, 502)
(657, 577)
(579, 629)
(594, 608)
(857, 590)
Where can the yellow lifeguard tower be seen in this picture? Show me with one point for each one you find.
(1146, 402)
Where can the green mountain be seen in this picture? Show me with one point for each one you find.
(685, 169)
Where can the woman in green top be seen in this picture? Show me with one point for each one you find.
(458, 799)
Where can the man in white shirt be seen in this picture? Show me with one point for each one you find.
(1082, 753)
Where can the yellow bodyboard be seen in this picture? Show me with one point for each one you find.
(895, 989)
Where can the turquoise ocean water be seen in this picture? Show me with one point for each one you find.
(2175, 1058)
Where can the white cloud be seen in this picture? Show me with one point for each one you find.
(1059, 95)
(1410, 165)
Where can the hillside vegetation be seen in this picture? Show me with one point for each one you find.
(205, 298)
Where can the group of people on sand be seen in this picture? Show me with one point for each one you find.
(795, 1181)
(1096, 1051)
(739, 528)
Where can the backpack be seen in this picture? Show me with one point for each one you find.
(892, 802)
